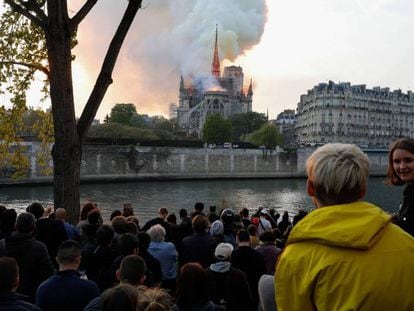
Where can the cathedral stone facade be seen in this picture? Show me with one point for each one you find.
(222, 94)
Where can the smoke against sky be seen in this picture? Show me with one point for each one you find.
(168, 38)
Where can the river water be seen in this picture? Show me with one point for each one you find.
(147, 197)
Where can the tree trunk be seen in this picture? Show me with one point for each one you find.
(67, 151)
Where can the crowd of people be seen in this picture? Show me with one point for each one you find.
(339, 256)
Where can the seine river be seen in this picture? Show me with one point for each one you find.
(147, 197)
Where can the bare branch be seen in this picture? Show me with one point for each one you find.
(25, 12)
(33, 66)
(104, 79)
(33, 5)
(85, 9)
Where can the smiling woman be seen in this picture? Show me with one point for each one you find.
(400, 172)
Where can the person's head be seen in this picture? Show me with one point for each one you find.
(115, 213)
(285, 216)
(401, 162)
(132, 270)
(131, 227)
(252, 230)
(199, 206)
(264, 212)
(154, 299)
(183, 213)
(223, 251)
(217, 228)
(200, 224)
(121, 297)
(69, 255)
(133, 219)
(36, 209)
(243, 237)
(127, 244)
(118, 223)
(86, 208)
(192, 286)
(8, 221)
(171, 218)
(267, 237)
(94, 217)
(212, 209)
(337, 174)
(162, 212)
(104, 235)
(244, 213)
(227, 216)
(156, 233)
(128, 210)
(9, 275)
(25, 223)
(2, 209)
(60, 214)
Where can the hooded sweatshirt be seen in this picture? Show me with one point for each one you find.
(346, 257)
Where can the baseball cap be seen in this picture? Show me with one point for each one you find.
(223, 251)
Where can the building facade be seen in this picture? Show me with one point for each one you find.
(286, 123)
(223, 94)
(345, 113)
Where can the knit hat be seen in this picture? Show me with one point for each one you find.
(223, 251)
(217, 228)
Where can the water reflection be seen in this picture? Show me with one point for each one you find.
(147, 197)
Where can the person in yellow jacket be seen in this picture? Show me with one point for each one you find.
(346, 254)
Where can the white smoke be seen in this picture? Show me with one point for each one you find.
(170, 38)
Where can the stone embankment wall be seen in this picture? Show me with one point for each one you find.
(119, 163)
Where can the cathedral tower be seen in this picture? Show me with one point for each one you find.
(215, 65)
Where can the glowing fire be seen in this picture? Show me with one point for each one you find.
(216, 89)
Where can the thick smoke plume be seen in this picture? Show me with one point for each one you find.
(170, 38)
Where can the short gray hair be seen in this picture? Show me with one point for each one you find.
(339, 172)
(157, 233)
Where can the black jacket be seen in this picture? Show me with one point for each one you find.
(33, 259)
(198, 247)
(406, 213)
(14, 302)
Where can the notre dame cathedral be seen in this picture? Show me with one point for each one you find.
(224, 95)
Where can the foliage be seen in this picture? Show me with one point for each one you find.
(268, 136)
(216, 130)
(123, 114)
(44, 127)
(120, 131)
(245, 123)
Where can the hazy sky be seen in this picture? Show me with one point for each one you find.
(286, 47)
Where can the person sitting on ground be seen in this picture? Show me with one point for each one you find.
(269, 250)
(166, 254)
(31, 255)
(9, 282)
(198, 247)
(341, 255)
(159, 220)
(66, 290)
(228, 285)
(193, 290)
(71, 231)
(131, 271)
(250, 261)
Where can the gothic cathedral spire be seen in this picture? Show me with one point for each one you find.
(215, 65)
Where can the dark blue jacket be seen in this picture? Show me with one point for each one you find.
(65, 291)
(14, 302)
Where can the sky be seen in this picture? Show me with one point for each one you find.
(285, 47)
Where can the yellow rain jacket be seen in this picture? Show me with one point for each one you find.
(346, 257)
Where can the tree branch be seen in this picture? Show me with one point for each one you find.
(85, 9)
(25, 12)
(104, 79)
(36, 7)
(33, 66)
